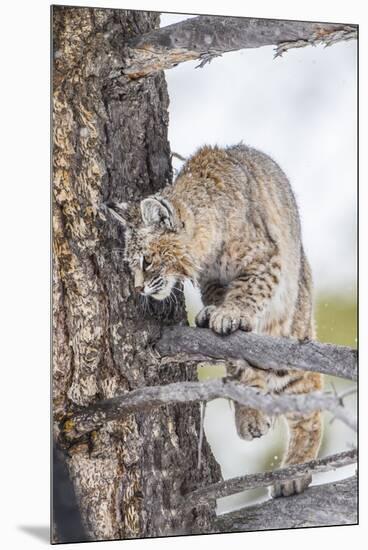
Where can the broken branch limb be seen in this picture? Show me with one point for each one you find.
(265, 479)
(261, 351)
(206, 37)
(328, 504)
(149, 397)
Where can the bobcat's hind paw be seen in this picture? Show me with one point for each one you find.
(251, 423)
(290, 487)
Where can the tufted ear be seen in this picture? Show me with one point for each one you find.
(158, 211)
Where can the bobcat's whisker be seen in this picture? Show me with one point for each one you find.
(175, 300)
(178, 289)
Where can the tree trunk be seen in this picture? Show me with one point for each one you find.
(110, 143)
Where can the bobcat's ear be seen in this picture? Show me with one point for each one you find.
(120, 211)
(158, 211)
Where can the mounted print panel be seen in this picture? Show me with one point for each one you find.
(204, 274)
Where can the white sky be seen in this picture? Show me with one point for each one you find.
(301, 109)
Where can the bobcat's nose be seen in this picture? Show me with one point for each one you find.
(138, 289)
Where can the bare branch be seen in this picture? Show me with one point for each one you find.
(347, 393)
(265, 479)
(206, 37)
(178, 156)
(328, 504)
(332, 38)
(149, 397)
(261, 351)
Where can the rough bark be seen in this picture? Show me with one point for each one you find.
(265, 479)
(149, 398)
(328, 504)
(110, 143)
(205, 37)
(265, 352)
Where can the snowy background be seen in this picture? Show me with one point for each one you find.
(301, 109)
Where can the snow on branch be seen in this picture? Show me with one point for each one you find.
(261, 351)
(206, 37)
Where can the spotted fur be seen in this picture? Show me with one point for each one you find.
(230, 223)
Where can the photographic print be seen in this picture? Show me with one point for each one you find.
(204, 208)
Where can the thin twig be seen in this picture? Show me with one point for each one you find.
(347, 393)
(178, 156)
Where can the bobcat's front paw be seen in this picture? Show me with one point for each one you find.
(224, 319)
(290, 487)
(227, 319)
(251, 423)
(203, 317)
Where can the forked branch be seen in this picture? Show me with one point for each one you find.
(144, 399)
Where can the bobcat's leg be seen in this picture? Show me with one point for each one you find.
(305, 432)
(243, 298)
(212, 293)
(251, 423)
(236, 306)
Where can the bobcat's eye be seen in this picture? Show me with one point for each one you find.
(146, 263)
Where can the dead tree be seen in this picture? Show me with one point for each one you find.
(131, 454)
(206, 37)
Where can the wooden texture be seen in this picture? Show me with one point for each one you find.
(149, 398)
(205, 37)
(265, 479)
(260, 351)
(110, 143)
(322, 505)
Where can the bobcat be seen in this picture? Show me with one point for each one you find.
(230, 223)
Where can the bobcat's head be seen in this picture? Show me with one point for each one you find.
(155, 245)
